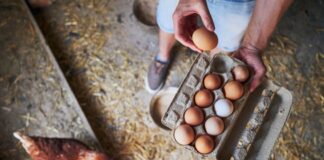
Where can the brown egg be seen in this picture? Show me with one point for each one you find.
(204, 98)
(204, 144)
(233, 90)
(212, 81)
(214, 126)
(194, 116)
(241, 73)
(184, 134)
(204, 39)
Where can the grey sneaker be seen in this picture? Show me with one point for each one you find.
(156, 76)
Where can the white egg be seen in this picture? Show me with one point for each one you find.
(223, 107)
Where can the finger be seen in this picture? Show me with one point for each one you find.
(254, 84)
(182, 36)
(205, 16)
(178, 24)
(236, 55)
(192, 26)
(193, 47)
(257, 79)
(186, 41)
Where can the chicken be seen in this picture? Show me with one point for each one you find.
(40, 148)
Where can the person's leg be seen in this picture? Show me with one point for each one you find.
(164, 20)
(166, 42)
(231, 19)
(158, 70)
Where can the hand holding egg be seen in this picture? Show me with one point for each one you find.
(250, 55)
(241, 73)
(204, 39)
(185, 20)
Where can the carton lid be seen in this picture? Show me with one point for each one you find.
(269, 131)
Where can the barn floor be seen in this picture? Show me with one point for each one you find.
(104, 51)
(34, 97)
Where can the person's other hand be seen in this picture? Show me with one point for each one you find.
(185, 20)
(250, 55)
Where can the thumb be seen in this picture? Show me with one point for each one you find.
(205, 16)
(257, 79)
(254, 84)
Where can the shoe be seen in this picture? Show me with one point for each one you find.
(156, 76)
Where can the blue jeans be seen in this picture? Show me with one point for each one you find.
(230, 17)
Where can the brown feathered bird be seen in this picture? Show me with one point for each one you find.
(40, 148)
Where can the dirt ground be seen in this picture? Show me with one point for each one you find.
(34, 95)
(104, 52)
(297, 63)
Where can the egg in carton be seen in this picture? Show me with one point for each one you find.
(198, 136)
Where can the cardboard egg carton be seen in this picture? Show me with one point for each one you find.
(253, 125)
(219, 64)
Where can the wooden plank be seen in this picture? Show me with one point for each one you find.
(34, 94)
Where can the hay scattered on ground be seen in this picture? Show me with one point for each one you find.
(302, 136)
(107, 85)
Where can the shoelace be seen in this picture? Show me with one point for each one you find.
(159, 66)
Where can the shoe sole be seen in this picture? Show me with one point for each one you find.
(147, 87)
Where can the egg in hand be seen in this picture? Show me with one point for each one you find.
(204, 39)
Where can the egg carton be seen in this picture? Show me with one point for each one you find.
(253, 125)
(204, 64)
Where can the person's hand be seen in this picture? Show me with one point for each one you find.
(250, 55)
(185, 20)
